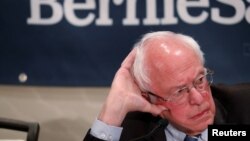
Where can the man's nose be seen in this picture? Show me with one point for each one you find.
(195, 97)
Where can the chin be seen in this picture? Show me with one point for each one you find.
(203, 125)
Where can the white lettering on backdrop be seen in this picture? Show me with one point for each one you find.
(69, 7)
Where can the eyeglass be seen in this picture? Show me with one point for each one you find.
(200, 84)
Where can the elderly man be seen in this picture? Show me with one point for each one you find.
(162, 77)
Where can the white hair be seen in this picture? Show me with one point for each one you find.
(139, 71)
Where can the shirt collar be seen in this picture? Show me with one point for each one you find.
(178, 135)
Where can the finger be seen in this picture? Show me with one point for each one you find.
(128, 61)
(155, 109)
(145, 95)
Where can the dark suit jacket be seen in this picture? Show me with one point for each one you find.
(232, 107)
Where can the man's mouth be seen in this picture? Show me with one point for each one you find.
(201, 114)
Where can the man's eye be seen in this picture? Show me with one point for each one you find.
(181, 91)
(200, 80)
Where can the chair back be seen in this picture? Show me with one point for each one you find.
(31, 128)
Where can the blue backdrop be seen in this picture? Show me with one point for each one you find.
(83, 42)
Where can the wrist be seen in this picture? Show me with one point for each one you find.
(112, 115)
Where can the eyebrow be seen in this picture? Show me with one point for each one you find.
(156, 95)
(201, 72)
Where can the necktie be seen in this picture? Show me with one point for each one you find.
(190, 138)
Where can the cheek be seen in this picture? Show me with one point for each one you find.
(211, 104)
(209, 98)
(180, 112)
(176, 113)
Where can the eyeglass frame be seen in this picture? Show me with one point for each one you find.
(207, 73)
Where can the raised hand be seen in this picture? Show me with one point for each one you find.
(125, 96)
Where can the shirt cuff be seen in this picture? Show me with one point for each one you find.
(104, 131)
